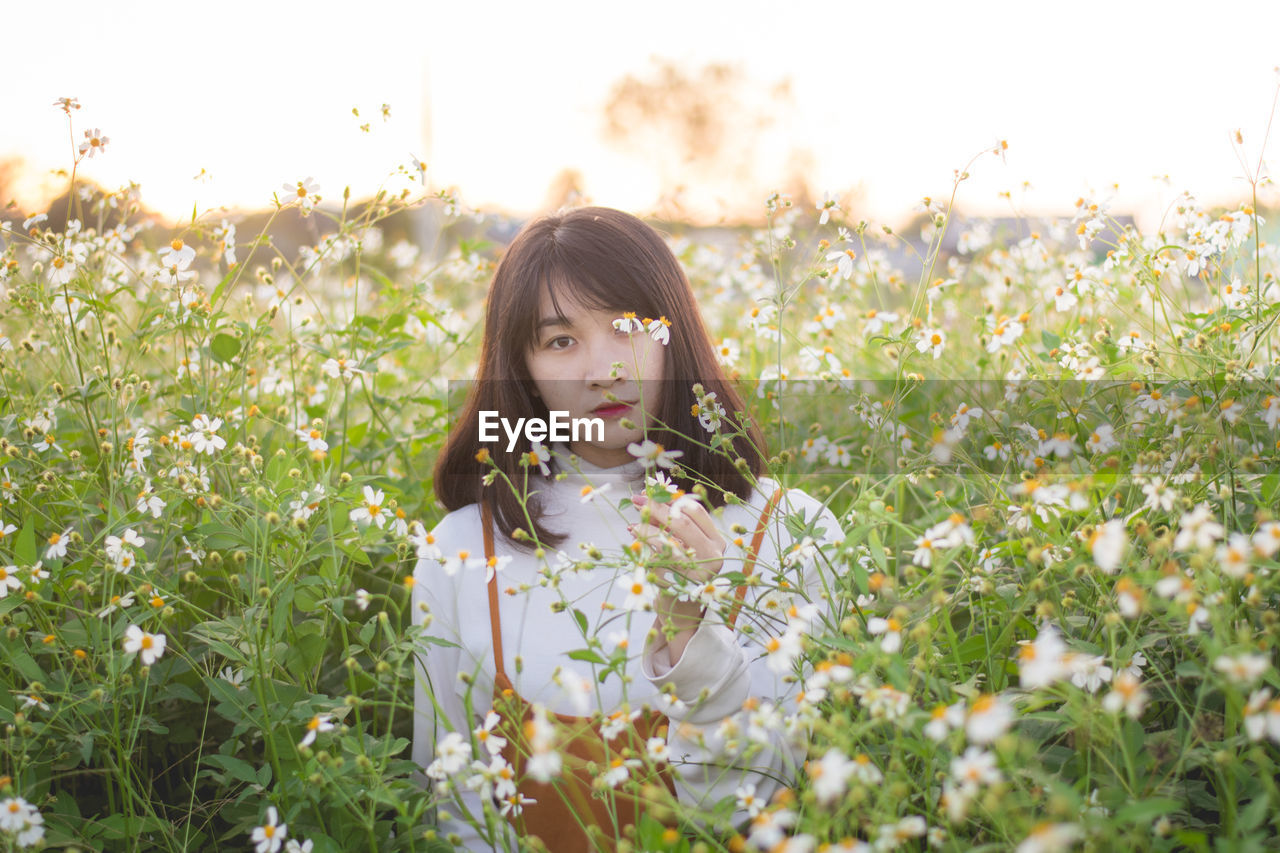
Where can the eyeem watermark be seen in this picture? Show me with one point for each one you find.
(560, 427)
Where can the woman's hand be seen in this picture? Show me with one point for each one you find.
(684, 529)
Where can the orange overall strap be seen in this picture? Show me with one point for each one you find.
(495, 623)
(750, 564)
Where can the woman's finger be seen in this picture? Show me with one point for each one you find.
(697, 514)
(691, 523)
(657, 537)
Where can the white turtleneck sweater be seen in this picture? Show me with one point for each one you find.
(722, 673)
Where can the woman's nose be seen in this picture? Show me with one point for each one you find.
(610, 362)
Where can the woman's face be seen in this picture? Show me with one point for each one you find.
(571, 363)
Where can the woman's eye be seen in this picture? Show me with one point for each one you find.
(559, 342)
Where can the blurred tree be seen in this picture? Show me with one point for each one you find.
(706, 132)
(565, 190)
(10, 168)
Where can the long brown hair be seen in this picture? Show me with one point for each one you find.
(609, 260)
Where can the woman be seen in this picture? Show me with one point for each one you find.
(603, 594)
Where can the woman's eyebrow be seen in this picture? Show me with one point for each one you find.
(546, 322)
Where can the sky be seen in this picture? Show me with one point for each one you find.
(886, 100)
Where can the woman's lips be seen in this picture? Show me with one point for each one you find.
(611, 410)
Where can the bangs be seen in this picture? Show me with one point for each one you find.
(597, 283)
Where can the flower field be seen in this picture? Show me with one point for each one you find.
(1049, 623)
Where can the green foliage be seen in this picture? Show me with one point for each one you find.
(270, 442)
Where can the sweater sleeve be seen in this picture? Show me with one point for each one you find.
(727, 729)
(437, 673)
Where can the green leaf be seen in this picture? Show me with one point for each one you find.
(178, 690)
(222, 285)
(26, 665)
(877, 551)
(223, 648)
(355, 552)
(309, 594)
(1254, 813)
(1146, 811)
(1049, 339)
(581, 619)
(85, 741)
(972, 649)
(325, 844)
(586, 655)
(24, 548)
(1192, 840)
(1270, 489)
(356, 432)
(233, 703)
(282, 610)
(861, 581)
(219, 536)
(225, 347)
(236, 768)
